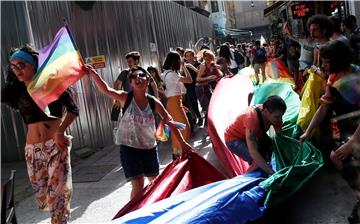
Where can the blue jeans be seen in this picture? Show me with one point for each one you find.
(239, 148)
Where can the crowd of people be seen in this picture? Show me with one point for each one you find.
(181, 91)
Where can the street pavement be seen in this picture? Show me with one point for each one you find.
(100, 190)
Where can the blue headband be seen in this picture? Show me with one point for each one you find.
(26, 57)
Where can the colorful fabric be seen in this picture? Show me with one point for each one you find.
(310, 99)
(49, 172)
(348, 85)
(229, 99)
(290, 97)
(245, 197)
(163, 130)
(186, 172)
(241, 199)
(277, 71)
(60, 65)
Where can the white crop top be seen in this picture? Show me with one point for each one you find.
(174, 87)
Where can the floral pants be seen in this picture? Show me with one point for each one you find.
(49, 172)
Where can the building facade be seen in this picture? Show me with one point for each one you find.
(250, 16)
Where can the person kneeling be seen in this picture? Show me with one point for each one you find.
(247, 138)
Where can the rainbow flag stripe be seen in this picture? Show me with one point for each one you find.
(349, 87)
(60, 66)
(163, 130)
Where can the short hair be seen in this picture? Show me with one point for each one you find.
(257, 43)
(188, 50)
(324, 24)
(350, 22)
(133, 54)
(180, 49)
(338, 54)
(171, 59)
(274, 103)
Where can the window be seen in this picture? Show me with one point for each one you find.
(214, 6)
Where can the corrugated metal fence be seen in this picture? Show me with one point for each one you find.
(108, 28)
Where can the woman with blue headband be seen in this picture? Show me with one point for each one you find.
(47, 146)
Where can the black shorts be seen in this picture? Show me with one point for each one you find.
(139, 162)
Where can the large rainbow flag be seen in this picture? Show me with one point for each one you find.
(60, 66)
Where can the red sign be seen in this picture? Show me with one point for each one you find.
(300, 10)
(97, 65)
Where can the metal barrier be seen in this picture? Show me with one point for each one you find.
(107, 28)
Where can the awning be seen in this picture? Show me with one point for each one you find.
(237, 32)
(273, 7)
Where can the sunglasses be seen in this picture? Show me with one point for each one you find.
(18, 66)
(139, 74)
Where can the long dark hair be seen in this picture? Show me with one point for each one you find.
(225, 52)
(13, 87)
(172, 61)
(157, 73)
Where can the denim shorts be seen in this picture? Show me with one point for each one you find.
(239, 148)
(139, 162)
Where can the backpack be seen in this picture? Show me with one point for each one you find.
(130, 96)
(260, 55)
(239, 58)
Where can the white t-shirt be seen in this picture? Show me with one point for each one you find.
(306, 53)
(174, 87)
(233, 63)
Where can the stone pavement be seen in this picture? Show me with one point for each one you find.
(95, 200)
(100, 191)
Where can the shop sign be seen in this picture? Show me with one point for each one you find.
(300, 10)
(96, 61)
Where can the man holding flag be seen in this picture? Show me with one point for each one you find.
(38, 87)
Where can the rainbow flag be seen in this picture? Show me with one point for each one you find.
(349, 87)
(60, 66)
(163, 130)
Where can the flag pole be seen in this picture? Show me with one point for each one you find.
(72, 39)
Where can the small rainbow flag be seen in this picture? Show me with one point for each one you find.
(163, 130)
(60, 66)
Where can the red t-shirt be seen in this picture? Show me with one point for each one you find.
(247, 120)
